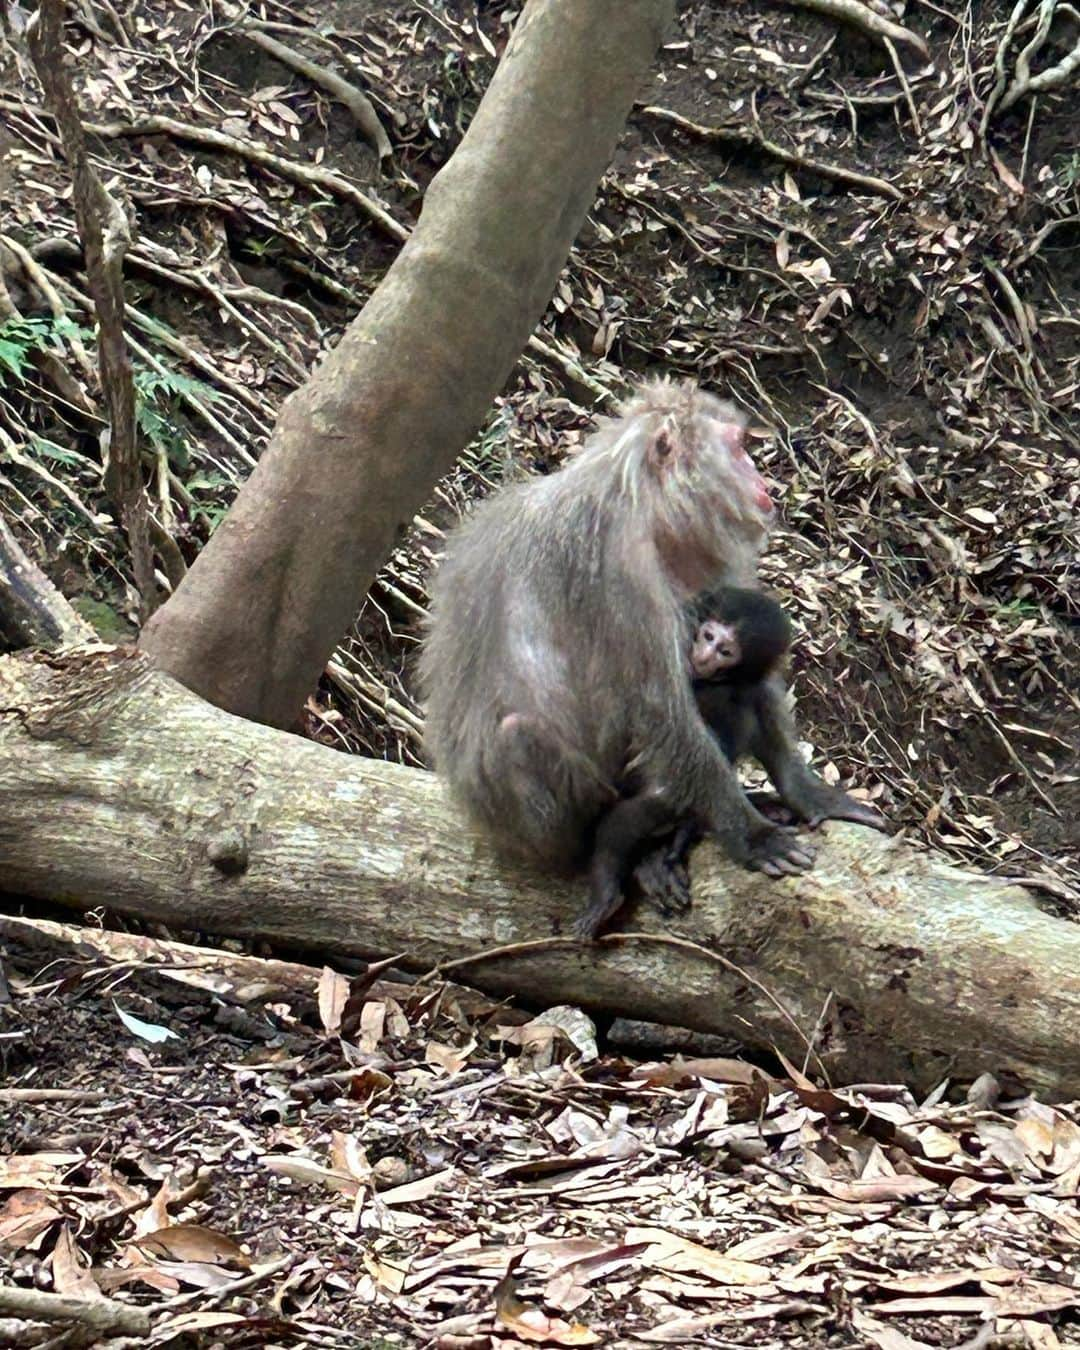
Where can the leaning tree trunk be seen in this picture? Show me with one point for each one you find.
(120, 788)
(357, 449)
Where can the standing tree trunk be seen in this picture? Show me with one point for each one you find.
(357, 449)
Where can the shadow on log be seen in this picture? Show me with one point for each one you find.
(119, 788)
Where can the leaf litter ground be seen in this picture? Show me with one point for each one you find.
(394, 1164)
(913, 367)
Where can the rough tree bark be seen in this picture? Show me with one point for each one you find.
(356, 450)
(119, 788)
(33, 613)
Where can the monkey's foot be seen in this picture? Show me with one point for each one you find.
(605, 900)
(664, 881)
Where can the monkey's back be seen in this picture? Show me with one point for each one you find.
(532, 669)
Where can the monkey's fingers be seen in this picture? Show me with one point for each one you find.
(857, 812)
(782, 856)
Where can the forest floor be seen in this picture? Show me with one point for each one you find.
(867, 248)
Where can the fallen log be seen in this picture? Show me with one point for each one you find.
(119, 788)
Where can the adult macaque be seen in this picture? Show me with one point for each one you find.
(558, 704)
(736, 666)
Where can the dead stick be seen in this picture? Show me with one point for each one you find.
(51, 1095)
(750, 141)
(100, 1315)
(103, 229)
(33, 613)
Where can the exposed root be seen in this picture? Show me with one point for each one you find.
(753, 141)
(869, 20)
(312, 175)
(359, 105)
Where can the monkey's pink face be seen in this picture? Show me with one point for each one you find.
(715, 647)
(731, 438)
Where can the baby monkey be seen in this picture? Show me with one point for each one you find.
(736, 663)
(741, 639)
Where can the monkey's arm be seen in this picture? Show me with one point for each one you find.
(800, 788)
(706, 789)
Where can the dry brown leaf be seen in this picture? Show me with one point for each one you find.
(333, 995)
(775, 1243)
(448, 1057)
(668, 1251)
(884, 1337)
(1040, 1336)
(934, 1283)
(1030, 1298)
(69, 1274)
(937, 1144)
(306, 1170)
(876, 1190)
(531, 1323)
(717, 1070)
(24, 1218)
(418, 1190)
(952, 1303)
(111, 1280)
(29, 1171)
(347, 1155)
(372, 1026)
(193, 1242)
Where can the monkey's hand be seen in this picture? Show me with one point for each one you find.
(778, 852)
(815, 801)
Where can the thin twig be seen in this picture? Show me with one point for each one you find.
(1042, 235)
(901, 75)
(311, 175)
(612, 939)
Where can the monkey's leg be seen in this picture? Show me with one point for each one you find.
(619, 837)
(800, 788)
